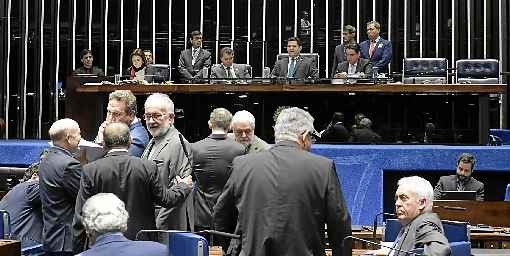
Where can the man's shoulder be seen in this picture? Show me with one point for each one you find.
(206, 52)
(363, 61)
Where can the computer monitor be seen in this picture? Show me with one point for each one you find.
(158, 73)
(458, 195)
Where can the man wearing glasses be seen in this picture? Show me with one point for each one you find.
(122, 109)
(243, 126)
(285, 195)
(172, 154)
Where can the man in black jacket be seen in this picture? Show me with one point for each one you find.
(134, 180)
(284, 195)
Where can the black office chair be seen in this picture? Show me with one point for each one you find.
(477, 71)
(425, 71)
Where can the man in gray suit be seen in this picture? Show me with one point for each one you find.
(59, 182)
(354, 65)
(212, 163)
(243, 125)
(462, 180)
(227, 68)
(194, 59)
(348, 36)
(172, 154)
(420, 226)
(295, 66)
(285, 195)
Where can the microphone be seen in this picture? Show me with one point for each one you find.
(411, 252)
(220, 233)
(375, 221)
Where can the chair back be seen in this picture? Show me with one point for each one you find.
(5, 225)
(501, 135)
(507, 194)
(477, 71)
(425, 71)
(456, 231)
(391, 230)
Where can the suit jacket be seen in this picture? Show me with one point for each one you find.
(335, 133)
(171, 160)
(93, 71)
(189, 71)
(381, 56)
(338, 57)
(144, 74)
(139, 138)
(304, 68)
(363, 66)
(116, 244)
(212, 164)
(424, 231)
(284, 196)
(449, 183)
(135, 181)
(217, 71)
(257, 144)
(59, 182)
(24, 207)
(365, 135)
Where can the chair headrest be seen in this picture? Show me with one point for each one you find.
(425, 67)
(478, 68)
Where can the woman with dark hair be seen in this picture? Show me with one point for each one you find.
(137, 69)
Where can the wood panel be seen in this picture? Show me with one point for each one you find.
(495, 213)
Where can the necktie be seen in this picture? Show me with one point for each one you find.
(372, 48)
(292, 65)
(194, 56)
(352, 69)
(147, 152)
(228, 73)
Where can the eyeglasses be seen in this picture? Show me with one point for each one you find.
(155, 116)
(239, 132)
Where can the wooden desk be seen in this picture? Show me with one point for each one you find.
(493, 213)
(10, 247)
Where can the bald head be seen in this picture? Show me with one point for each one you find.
(65, 133)
(116, 135)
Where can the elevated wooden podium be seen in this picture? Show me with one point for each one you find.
(492, 213)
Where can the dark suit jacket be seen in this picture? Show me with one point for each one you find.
(449, 183)
(189, 71)
(59, 182)
(338, 57)
(217, 71)
(365, 135)
(381, 56)
(363, 66)
(24, 207)
(93, 71)
(304, 68)
(139, 138)
(212, 163)
(284, 195)
(424, 231)
(335, 133)
(135, 181)
(116, 244)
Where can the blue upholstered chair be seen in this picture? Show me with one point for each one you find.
(5, 225)
(456, 232)
(500, 136)
(507, 194)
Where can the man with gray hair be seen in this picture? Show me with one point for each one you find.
(172, 154)
(122, 108)
(131, 178)
(243, 126)
(285, 195)
(364, 133)
(420, 226)
(105, 219)
(59, 182)
(212, 163)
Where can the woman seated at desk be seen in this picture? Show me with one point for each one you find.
(138, 70)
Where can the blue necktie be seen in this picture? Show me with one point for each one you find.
(292, 65)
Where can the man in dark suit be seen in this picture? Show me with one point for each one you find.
(212, 163)
(295, 66)
(376, 49)
(227, 68)
(87, 59)
(462, 180)
(105, 219)
(122, 108)
(194, 59)
(364, 133)
(172, 154)
(284, 195)
(354, 65)
(59, 182)
(348, 36)
(421, 228)
(134, 180)
(24, 207)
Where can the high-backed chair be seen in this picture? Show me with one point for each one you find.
(477, 71)
(425, 71)
(313, 56)
(507, 194)
(5, 225)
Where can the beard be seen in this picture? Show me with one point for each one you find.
(157, 132)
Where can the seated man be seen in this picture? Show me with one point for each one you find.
(420, 226)
(87, 59)
(104, 219)
(363, 133)
(354, 66)
(462, 181)
(295, 66)
(227, 68)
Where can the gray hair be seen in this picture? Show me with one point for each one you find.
(291, 123)
(160, 99)
(127, 97)
(220, 118)
(104, 213)
(365, 123)
(244, 116)
(421, 187)
(467, 159)
(116, 134)
(61, 128)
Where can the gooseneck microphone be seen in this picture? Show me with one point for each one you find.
(375, 221)
(411, 252)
